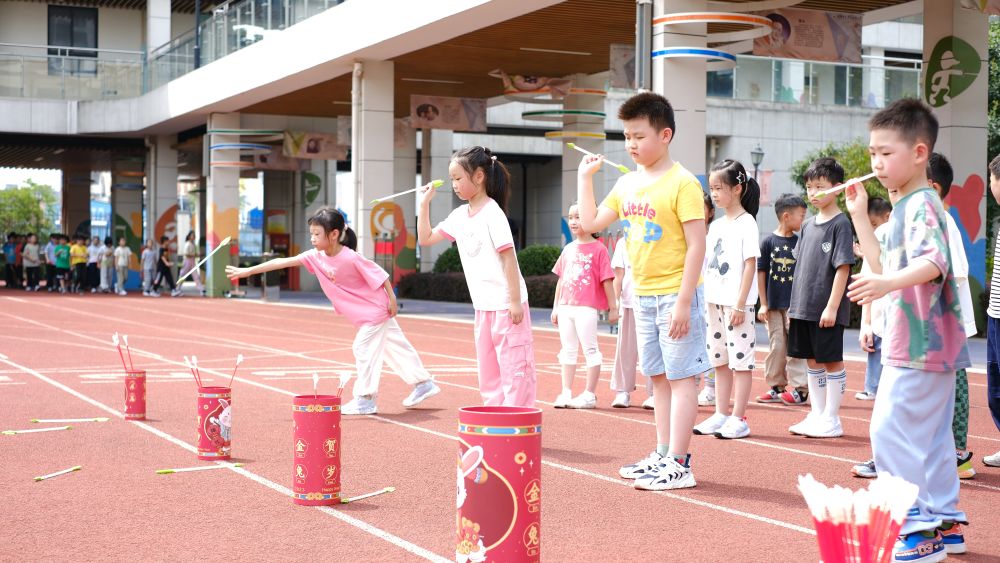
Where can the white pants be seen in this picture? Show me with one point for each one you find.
(578, 326)
(195, 275)
(122, 277)
(106, 276)
(912, 438)
(385, 342)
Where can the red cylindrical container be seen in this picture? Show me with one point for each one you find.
(135, 395)
(316, 447)
(215, 422)
(499, 484)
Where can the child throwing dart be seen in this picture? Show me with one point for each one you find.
(361, 291)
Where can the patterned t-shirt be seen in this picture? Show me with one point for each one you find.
(582, 269)
(777, 261)
(923, 323)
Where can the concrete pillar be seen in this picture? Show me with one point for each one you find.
(157, 23)
(959, 36)
(126, 211)
(75, 199)
(873, 79)
(437, 148)
(586, 124)
(372, 157)
(222, 216)
(683, 82)
(161, 188)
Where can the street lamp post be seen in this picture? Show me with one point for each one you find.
(756, 157)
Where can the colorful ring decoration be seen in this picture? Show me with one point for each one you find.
(499, 430)
(125, 186)
(759, 25)
(315, 408)
(231, 164)
(260, 135)
(717, 60)
(556, 135)
(316, 496)
(557, 115)
(244, 148)
(530, 96)
(761, 6)
(130, 173)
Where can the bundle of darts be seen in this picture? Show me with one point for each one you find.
(858, 526)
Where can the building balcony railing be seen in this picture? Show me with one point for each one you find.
(872, 85)
(63, 73)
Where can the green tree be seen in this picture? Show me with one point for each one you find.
(853, 156)
(27, 209)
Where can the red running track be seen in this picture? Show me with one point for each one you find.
(59, 363)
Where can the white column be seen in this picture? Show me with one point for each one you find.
(873, 79)
(962, 133)
(571, 158)
(222, 213)
(683, 82)
(157, 23)
(437, 148)
(372, 157)
(161, 186)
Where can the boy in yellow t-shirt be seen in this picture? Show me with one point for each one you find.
(663, 218)
(78, 263)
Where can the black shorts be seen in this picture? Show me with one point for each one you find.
(807, 340)
(62, 273)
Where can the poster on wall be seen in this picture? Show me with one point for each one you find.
(991, 7)
(402, 133)
(441, 112)
(316, 146)
(813, 35)
(622, 66)
(344, 130)
(276, 160)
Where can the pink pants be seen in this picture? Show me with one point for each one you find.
(627, 355)
(505, 358)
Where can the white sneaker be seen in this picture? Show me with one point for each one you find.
(123, 292)
(711, 425)
(733, 429)
(668, 474)
(622, 400)
(562, 401)
(800, 428)
(707, 397)
(421, 391)
(641, 467)
(359, 405)
(648, 404)
(864, 396)
(154, 294)
(585, 400)
(992, 460)
(824, 427)
(176, 293)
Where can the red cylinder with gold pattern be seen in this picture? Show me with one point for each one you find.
(135, 395)
(316, 450)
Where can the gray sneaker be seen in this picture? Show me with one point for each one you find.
(421, 391)
(865, 470)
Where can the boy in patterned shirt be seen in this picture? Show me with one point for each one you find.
(923, 342)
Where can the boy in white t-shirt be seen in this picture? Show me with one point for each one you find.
(626, 350)
(123, 254)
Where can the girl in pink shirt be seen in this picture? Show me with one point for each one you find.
(361, 291)
(504, 352)
(584, 289)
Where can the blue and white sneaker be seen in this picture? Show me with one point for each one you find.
(421, 391)
(919, 547)
(668, 474)
(865, 470)
(640, 468)
(359, 406)
(952, 537)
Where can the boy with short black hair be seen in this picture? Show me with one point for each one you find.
(775, 274)
(663, 213)
(819, 309)
(78, 263)
(912, 266)
(62, 258)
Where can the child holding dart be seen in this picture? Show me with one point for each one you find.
(361, 291)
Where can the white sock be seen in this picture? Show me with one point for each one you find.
(836, 384)
(817, 390)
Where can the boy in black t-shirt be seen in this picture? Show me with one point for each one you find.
(775, 272)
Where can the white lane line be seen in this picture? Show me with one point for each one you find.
(361, 525)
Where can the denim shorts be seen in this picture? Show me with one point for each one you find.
(658, 353)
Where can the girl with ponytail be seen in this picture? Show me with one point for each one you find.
(504, 351)
(360, 290)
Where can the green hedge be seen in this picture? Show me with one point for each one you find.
(448, 261)
(538, 259)
(452, 287)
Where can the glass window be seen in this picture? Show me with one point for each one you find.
(72, 27)
(720, 83)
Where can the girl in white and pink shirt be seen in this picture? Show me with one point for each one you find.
(585, 288)
(504, 353)
(361, 291)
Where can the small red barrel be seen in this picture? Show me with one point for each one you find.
(499, 484)
(135, 395)
(316, 446)
(215, 422)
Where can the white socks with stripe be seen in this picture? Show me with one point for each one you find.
(817, 391)
(836, 383)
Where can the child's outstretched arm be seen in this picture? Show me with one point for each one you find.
(513, 274)
(233, 272)
(426, 235)
(592, 219)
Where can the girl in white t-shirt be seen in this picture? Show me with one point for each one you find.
(585, 288)
(504, 353)
(360, 290)
(730, 293)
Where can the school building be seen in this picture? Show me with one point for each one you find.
(244, 120)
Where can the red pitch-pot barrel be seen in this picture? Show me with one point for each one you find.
(499, 484)
(316, 450)
(215, 422)
(135, 395)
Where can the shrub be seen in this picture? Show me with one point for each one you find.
(435, 287)
(538, 259)
(448, 261)
(855, 159)
(541, 290)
